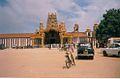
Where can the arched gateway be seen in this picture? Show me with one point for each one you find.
(52, 37)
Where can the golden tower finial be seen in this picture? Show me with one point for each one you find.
(41, 21)
(76, 22)
(55, 13)
(88, 29)
(37, 31)
(49, 13)
(41, 25)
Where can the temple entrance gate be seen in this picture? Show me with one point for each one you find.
(52, 37)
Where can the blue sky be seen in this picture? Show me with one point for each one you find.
(3, 3)
(23, 16)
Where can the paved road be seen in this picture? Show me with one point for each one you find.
(48, 63)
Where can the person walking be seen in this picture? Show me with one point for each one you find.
(71, 50)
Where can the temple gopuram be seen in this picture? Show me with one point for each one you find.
(54, 33)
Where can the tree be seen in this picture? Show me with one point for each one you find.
(109, 26)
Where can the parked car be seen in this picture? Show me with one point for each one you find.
(85, 50)
(113, 49)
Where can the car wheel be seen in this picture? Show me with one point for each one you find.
(91, 57)
(105, 53)
(119, 54)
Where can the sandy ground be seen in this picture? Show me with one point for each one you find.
(44, 63)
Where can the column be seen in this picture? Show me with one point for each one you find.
(6, 42)
(78, 40)
(42, 42)
(0, 41)
(29, 41)
(88, 39)
(22, 41)
(19, 42)
(33, 42)
(26, 42)
(94, 42)
(70, 40)
(3, 40)
(10, 43)
(61, 40)
(14, 42)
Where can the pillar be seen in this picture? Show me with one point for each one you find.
(26, 41)
(61, 40)
(70, 40)
(5, 42)
(18, 42)
(78, 40)
(0, 41)
(42, 42)
(14, 44)
(10, 43)
(32, 42)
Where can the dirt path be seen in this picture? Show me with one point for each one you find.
(42, 62)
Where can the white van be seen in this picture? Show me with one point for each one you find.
(113, 47)
(113, 40)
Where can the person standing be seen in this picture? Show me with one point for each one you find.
(49, 46)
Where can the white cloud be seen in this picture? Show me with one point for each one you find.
(88, 15)
(22, 15)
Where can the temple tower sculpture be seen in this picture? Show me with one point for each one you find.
(89, 34)
(95, 27)
(62, 31)
(52, 30)
(41, 30)
(52, 22)
(76, 28)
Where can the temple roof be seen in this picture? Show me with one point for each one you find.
(16, 35)
(25, 35)
(76, 34)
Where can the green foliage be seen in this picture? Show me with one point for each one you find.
(109, 26)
